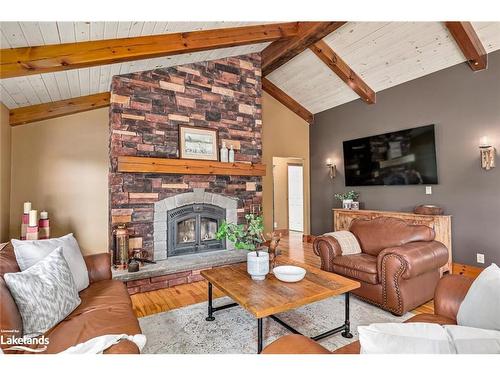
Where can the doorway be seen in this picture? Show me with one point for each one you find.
(288, 194)
(295, 197)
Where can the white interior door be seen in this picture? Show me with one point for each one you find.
(296, 198)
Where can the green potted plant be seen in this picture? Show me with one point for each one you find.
(249, 237)
(347, 198)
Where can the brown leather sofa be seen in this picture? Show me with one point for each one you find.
(106, 308)
(398, 267)
(450, 292)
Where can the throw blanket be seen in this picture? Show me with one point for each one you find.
(99, 344)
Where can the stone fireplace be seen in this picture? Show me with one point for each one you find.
(186, 223)
(172, 217)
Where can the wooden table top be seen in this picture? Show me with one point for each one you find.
(272, 296)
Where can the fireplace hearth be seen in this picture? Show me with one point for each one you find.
(192, 229)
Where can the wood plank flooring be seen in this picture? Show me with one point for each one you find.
(291, 246)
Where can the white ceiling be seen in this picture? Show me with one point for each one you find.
(383, 54)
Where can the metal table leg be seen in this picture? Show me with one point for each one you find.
(259, 336)
(347, 324)
(344, 329)
(210, 316)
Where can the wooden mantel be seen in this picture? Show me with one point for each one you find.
(137, 164)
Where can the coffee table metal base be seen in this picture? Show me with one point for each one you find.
(345, 328)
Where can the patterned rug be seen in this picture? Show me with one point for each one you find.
(234, 330)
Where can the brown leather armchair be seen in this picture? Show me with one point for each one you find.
(398, 267)
(450, 293)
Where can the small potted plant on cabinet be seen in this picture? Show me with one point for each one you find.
(347, 199)
(249, 237)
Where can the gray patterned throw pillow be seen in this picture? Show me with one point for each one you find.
(44, 293)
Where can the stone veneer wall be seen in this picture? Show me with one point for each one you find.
(146, 110)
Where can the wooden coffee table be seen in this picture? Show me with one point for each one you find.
(271, 296)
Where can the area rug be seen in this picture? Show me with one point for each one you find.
(234, 330)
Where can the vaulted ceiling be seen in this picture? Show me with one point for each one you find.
(383, 54)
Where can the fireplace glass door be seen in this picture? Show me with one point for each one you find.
(192, 229)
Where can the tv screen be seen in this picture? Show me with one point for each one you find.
(405, 157)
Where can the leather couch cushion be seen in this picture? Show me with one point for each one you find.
(11, 324)
(105, 309)
(359, 266)
(383, 232)
(295, 344)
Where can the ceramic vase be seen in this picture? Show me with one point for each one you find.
(258, 266)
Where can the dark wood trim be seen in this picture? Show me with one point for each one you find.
(286, 100)
(343, 71)
(469, 43)
(23, 61)
(279, 52)
(45, 111)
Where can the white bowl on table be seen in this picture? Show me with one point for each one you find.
(289, 274)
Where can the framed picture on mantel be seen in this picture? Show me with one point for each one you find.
(198, 143)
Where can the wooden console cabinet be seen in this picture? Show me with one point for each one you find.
(440, 223)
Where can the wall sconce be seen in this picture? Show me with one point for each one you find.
(332, 168)
(487, 154)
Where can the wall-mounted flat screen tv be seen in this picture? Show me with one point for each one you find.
(405, 157)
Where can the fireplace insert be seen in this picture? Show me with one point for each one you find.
(192, 229)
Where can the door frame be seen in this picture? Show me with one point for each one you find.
(295, 164)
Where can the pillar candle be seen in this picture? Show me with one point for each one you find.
(27, 207)
(33, 222)
(43, 226)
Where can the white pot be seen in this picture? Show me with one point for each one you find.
(346, 204)
(258, 266)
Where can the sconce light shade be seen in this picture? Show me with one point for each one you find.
(488, 154)
(332, 168)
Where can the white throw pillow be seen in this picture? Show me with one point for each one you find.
(348, 242)
(481, 306)
(469, 340)
(45, 294)
(404, 338)
(427, 338)
(30, 252)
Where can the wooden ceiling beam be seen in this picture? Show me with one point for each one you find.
(286, 100)
(467, 40)
(45, 111)
(343, 71)
(16, 62)
(281, 51)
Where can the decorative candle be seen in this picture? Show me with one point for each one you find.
(43, 226)
(33, 222)
(27, 207)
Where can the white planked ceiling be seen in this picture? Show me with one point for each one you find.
(43, 88)
(384, 54)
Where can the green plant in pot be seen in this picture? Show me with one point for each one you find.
(249, 237)
(347, 198)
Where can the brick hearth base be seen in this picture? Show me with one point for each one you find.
(160, 282)
(149, 284)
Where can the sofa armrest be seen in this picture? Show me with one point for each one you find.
(417, 257)
(450, 292)
(295, 344)
(326, 247)
(98, 267)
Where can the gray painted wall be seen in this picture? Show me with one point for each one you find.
(464, 106)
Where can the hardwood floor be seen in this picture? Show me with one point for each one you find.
(291, 246)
